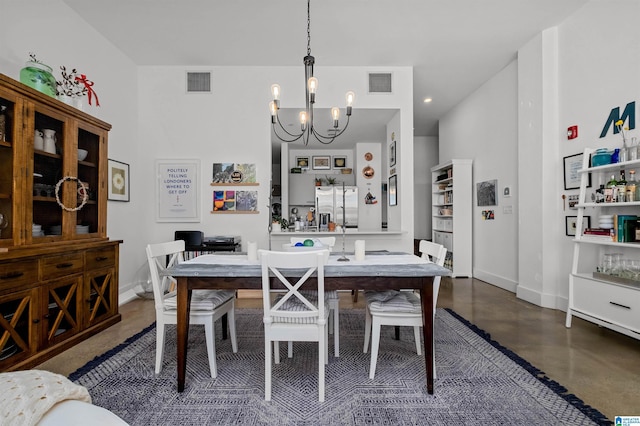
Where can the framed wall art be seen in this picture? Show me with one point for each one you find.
(572, 164)
(393, 190)
(118, 189)
(228, 174)
(392, 154)
(339, 162)
(177, 190)
(571, 223)
(486, 193)
(321, 162)
(302, 162)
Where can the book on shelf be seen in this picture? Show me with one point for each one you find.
(598, 234)
(625, 226)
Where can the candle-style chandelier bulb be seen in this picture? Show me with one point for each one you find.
(303, 119)
(335, 114)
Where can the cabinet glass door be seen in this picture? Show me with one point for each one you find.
(7, 159)
(47, 171)
(101, 301)
(16, 330)
(88, 174)
(61, 312)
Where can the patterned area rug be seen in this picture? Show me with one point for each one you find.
(478, 381)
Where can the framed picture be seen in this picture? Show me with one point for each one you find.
(118, 181)
(571, 222)
(572, 164)
(302, 162)
(177, 190)
(392, 154)
(393, 190)
(486, 193)
(339, 162)
(322, 162)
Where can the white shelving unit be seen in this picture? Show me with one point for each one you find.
(452, 208)
(608, 301)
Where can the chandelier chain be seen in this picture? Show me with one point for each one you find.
(308, 27)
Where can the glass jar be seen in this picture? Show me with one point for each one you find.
(38, 76)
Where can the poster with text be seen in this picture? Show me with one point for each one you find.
(177, 191)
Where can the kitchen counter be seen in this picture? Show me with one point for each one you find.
(374, 239)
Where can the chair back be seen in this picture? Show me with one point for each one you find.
(292, 270)
(434, 252)
(327, 242)
(160, 257)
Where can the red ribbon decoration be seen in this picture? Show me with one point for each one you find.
(88, 83)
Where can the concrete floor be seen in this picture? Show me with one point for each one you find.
(598, 365)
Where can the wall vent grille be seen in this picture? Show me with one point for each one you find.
(198, 82)
(380, 83)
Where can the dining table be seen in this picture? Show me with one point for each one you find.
(379, 270)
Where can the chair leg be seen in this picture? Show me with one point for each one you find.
(375, 344)
(416, 336)
(159, 346)
(276, 352)
(267, 368)
(322, 351)
(232, 329)
(290, 349)
(211, 347)
(367, 330)
(336, 331)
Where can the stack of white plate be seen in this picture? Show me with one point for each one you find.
(36, 230)
(605, 221)
(82, 229)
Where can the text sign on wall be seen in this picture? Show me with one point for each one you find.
(178, 191)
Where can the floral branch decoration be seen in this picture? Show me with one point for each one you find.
(75, 84)
(69, 85)
(621, 130)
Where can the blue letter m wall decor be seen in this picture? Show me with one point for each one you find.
(629, 112)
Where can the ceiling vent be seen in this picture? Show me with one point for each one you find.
(199, 82)
(380, 83)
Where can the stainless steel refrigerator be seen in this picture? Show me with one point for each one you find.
(329, 200)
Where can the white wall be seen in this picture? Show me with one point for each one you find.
(232, 125)
(425, 156)
(599, 65)
(573, 74)
(484, 128)
(57, 36)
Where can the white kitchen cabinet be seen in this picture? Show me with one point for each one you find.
(452, 208)
(611, 301)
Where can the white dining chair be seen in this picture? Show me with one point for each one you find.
(399, 308)
(332, 295)
(291, 316)
(207, 306)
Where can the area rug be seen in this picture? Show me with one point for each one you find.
(478, 382)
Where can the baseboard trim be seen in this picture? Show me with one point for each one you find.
(501, 282)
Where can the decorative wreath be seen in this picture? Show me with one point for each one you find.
(85, 194)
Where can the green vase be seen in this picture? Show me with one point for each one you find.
(39, 77)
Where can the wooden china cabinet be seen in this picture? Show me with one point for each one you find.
(58, 268)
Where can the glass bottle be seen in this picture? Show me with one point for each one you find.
(622, 188)
(632, 186)
(611, 190)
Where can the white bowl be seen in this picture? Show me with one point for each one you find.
(82, 154)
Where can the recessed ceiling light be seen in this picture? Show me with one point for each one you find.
(427, 100)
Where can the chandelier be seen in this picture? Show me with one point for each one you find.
(307, 128)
